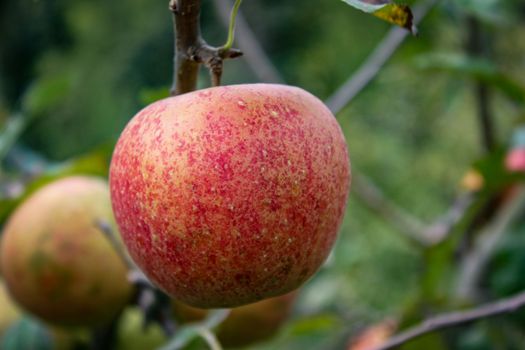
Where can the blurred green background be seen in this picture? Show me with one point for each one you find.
(72, 73)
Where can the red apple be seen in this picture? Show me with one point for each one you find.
(246, 324)
(55, 261)
(232, 194)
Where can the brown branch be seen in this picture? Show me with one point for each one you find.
(254, 54)
(191, 50)
(383, 51)
(476, 46)
(452, 319)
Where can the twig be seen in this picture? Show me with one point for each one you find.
(111, 236)
(374, 62)
(474, 263)
(254, 54)
(210, 338)
(104, 338)
(375, 199)
(191, 50)
(452, 319)
(153, 302)
(442, 227)
(420, 232)
(203, 329)
(476, 44)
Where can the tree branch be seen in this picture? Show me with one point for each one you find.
(373, 63)
(374, 198)
(191, 50)
(476, 46)
(487, 242)
(452, 319)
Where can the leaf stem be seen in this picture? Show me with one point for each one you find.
(231, 27)
(210, 338)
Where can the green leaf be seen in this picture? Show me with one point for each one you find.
(496, 176)
(45, 93)
(95, 163)
(476, 68)
(27, 334)
(400, 15)
(150, 95)
(489, 11)
(322, 331)
(14, 127)
(432, 341)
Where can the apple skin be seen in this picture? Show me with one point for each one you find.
(55, 261)
(245, 325)
(230, 195)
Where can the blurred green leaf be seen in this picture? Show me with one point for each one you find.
(476, 68)
(27, 334)
(400, 15)
(496, 176)
(95, 163)
(150, 95)
(321, 331)
(13, 129)
(45, 93)
(432, 341)
(490, 11)
(318, 323)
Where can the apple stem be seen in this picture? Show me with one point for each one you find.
(191, 50)
(231, 27)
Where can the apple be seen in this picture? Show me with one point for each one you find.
(230, 195)
(9, 312)
(56, 262)
(246, 324)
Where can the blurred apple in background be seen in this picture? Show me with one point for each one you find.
(56, 262)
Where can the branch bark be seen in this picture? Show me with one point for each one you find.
(191, 50)
(452, 319)
(476, 46)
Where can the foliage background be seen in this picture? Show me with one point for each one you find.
(72, 73)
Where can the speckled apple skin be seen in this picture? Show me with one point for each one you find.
(229, 195)
(56, 263)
